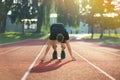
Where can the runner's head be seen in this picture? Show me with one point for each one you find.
(60, 37)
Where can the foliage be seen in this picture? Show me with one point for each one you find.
(100, 13)
(22, 10)
(68, 12)
(13, 36)
(109, 39)
(2, 10)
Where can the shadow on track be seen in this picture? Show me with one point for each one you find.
(48, 66)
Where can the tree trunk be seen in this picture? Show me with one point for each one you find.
(3, 26)
(23, 28)
(40, 18)
(101, 33)
(92, 32)
(109, 32)
(0, 26)
(115, 31)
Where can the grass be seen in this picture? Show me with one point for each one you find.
(16, 36)
(109, 39)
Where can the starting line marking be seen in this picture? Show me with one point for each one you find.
(31, 66)
(102, 71)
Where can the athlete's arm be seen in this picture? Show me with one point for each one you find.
(69, 49)
(47, 49)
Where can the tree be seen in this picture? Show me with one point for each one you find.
(68, 12)
(26, 10)
(23, 10)
(43, 13)
(40, 15)
(4, 8)
(98, 8)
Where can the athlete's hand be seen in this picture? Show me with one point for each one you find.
(43, 58)
(73, 59)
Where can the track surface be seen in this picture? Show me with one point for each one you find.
(94, 61)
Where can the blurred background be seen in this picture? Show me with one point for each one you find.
(24, 19)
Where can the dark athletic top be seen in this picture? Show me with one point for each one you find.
(56, 29)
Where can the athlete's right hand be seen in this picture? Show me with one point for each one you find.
(73, 59)
(43, 58)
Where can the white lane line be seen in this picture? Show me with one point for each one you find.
(8, 51)
(99, 69)
(31, 66)
(114, 54)
(13, 42)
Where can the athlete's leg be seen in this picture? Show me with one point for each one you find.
(63, 46)
(54, 46)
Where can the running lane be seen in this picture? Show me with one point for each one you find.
(16, 58)
(106, 57)
(94, 61)
(66, 69)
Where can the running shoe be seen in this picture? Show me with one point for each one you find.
(54, 56)
(62, 54)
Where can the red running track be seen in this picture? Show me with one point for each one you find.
(94, 61)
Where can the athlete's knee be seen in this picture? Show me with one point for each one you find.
(63, 47)
(54, 47)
